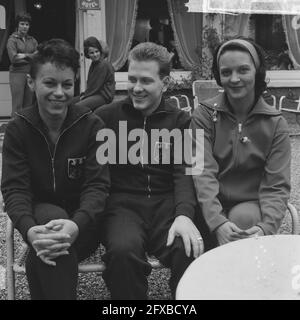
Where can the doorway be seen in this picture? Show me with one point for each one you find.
(153, 23)
(52, 19)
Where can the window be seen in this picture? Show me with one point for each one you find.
(153, 23)
(269, 34)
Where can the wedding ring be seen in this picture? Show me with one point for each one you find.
(199, 239)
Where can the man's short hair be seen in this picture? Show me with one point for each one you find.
(149, 51)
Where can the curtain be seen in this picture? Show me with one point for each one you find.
(236, 25)
(2, 17)
(187, 28)
(120, 26)
(291, 25)
(20, 6)
(7, 9)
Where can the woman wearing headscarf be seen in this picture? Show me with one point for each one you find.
(245, 184)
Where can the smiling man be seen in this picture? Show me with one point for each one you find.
(152, 205)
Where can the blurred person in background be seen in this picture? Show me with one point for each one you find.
(100, 89)
(20, 47)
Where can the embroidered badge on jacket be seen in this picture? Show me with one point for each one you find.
(75, 167)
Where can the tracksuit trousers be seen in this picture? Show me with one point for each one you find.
(20, 92)
(58, 282)
(135, 225)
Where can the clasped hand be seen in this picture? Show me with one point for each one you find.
(229, 231)
(53, 239)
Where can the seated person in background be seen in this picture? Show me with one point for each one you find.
(100, 87)
(284, 60)
(245, 185)
(53, 188)
(152, 204)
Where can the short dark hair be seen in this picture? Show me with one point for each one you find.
(23, 16)
(260, 76)
(56, 51)
(149, 51)
(91, 42)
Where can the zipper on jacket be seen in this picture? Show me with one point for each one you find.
(142, 158)
(55, 145)
(240, 125)
(51, 156)
(53, 172)
(149, 188)
(236, 145)
(143, 141)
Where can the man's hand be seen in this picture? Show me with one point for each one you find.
(228, 232)
(191, 237)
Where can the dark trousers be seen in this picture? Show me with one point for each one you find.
(92, 102)
(20, 92)
(58, 282)
(135, 225)
(245, 214)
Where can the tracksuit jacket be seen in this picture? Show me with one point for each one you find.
(15, 45)
(66, 174)
(150, 177)
(101, 80)
(243, 162)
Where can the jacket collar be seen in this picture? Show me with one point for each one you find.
(164, 107)
(31, 114)
(17, 35)
(219, 103)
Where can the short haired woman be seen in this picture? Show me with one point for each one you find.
(54, 189)
(245, 184)
(20, 47)
(100, 88)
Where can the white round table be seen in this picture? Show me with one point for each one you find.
(251, 269)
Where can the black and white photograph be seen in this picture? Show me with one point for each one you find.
(149, 151)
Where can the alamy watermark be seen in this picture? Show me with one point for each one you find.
(165, 147)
